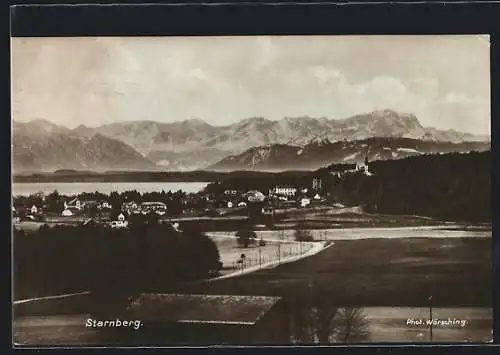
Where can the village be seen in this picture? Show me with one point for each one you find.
(217, 200)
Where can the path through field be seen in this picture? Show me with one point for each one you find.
(257, 257)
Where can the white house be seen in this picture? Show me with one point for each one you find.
(304, 202)
(70, 211)
(176, 227)
(34, 209)
(131, 207)
(317, 197)
(284, 191)
(119, 224)
(159, 208)
(105, 205)
(317, 184)
(74, 203)
(267, 211)
(363, 167)
(255, 196)
(229, 204)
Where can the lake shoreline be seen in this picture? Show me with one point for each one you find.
(75, 188)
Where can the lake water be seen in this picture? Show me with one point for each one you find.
(73, 188)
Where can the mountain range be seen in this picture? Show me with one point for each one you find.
(40, 145)
(194, 144)
(317, 154)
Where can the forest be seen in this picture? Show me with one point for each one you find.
(455, 187)
(112, 263)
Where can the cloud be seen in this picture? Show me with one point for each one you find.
(442, 80)
(470, 114)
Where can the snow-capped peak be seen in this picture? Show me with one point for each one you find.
(319, 141)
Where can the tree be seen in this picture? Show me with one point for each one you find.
(351, 326)
(246, 236)
(315, 319)
(114, 264)
(203, 253)
(54, 202)
(93, 211)
(328, 324)
(174, 206)
(115, 199)
(302, 234)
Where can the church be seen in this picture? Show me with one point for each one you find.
(363, 167)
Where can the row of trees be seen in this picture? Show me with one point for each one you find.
(324, 323)
(113, 263)
(246, 236)
(176, 202)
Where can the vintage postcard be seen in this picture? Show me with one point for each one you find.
(255, 190)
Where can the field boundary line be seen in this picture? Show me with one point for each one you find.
(51, 297)
(320, 246)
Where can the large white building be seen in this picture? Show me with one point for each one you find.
(317, 184)
(255, 196)
(159, 208)
(288, 191)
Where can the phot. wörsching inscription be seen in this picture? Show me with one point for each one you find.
(445, 323)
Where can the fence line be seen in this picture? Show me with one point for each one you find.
(282, 251)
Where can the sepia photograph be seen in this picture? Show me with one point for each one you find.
(251, 190)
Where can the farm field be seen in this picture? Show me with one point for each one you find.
(393, 272)
(230, 252)
(355, 233)
(387, 280)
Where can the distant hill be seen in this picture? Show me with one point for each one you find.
(194, 144)
(40, 145)
(451, 187)
(320, 153)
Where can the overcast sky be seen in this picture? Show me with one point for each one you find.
(443, 80)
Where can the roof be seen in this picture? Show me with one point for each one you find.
(72, 209)
(73, 200)
(214, 309)
(91, 202)
(253, 192)
(155, 203)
